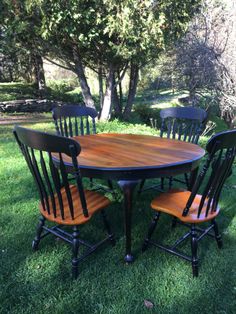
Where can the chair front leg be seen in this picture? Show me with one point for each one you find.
(75, 249)
(194, 251)
(39, 231)
(217, 234)
(150, 231)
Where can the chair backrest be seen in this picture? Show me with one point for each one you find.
(74, 120)
(221, 149)
(183, 123)
(51, 178)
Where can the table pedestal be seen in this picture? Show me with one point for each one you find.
(128, 189)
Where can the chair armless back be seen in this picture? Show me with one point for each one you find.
(74, 120)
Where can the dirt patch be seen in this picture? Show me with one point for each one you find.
(23, 118)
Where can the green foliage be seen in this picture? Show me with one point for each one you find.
(13, 91)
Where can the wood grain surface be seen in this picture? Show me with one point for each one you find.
(133, 151)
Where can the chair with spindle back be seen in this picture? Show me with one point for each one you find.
(74, 120)
(193, 208)
(62, 203)
(183, 124)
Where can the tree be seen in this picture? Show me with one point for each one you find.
(111, 38)
(20, 41)
(204, 60)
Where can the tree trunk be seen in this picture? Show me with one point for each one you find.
(117, 104)
(132, 89)
(88, 100)
(100, 81)
(39, 74)
(106, 108)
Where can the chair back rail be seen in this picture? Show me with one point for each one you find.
(183, 123)
(74, 120)
(221, 150)
(51, 180)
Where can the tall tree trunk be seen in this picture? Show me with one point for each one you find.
(88, 100)
(132, 89)
(100, 81)
(106, 108)
(117, 104)
(39, 74)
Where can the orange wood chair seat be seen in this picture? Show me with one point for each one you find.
(174, 202)
(95, 202)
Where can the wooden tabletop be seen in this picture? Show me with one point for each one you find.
(129, 156)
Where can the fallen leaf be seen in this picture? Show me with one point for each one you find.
(148, 304)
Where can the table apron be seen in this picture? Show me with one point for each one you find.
(139, 174)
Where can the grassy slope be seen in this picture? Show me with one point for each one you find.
(40, 282)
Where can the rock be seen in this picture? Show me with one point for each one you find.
(28, 105)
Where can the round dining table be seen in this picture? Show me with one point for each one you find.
(129, 158)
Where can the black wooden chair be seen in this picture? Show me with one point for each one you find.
(74, 120)
(193, 208)
(62, 203)
(183, 124)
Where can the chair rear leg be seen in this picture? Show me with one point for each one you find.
(150, 231)
(174, 222)
(162, 183)
(170, 182)
(39, 231)
(109, 182)
(141, 186)
(108, 228)
(186, 181)
(194, 251)
(75, 249)
(217, 234)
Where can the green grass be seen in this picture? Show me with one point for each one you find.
(40, 282)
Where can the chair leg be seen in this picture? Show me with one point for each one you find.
(174, 222)
(194, 251)
(162, 183)
(141, 186)
(150, 231)
(170, 183)
(39, 231)
(109, 182)
(107, 227)
(186, 180)
(91, 182)
(75, 249)
(217, 234)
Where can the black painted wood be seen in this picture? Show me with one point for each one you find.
(74, 120)
(221, 149)
(183, 124)
(55, 191)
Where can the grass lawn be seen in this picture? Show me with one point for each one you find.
(40, 282)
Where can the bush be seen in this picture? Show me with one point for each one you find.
(145, 114)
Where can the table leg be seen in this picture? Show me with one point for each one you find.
(128, 189)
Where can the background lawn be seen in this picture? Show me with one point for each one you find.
(40, 282)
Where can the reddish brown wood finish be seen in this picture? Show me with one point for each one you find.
(120, 152)
(95, 202)
(128, 158)
(174, 202)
